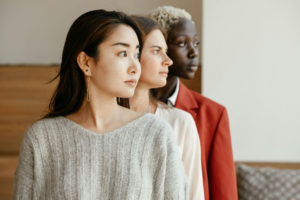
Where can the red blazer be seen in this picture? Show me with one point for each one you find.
(219, 178)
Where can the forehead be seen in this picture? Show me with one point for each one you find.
(122, 33)
(183, 28)
(155, 37)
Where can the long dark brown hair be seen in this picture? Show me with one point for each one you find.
(85, 34)
(146, 26)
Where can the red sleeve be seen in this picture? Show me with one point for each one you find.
(221, 168)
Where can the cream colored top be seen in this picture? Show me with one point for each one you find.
(188, 142)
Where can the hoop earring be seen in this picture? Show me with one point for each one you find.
(87, 89)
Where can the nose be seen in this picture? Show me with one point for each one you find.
(167, 61)
(134, 67)
(193, 51)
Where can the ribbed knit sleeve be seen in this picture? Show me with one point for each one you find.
(24, 175)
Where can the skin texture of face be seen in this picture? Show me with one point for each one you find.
(117, 69)
(154, 60)
(183, 49)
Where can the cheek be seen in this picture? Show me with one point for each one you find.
(151, 66)
(178, 58)
(111, 70)
(177, 54)
(146, 71)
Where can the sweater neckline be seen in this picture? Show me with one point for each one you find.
(73, 124)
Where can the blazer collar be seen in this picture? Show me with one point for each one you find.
(185, 99)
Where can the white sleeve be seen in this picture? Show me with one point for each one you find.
(191, 158)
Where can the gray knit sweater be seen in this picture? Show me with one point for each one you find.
(60, 159)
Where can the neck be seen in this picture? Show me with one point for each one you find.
(164, 93)
(98, 112)
(141, 101)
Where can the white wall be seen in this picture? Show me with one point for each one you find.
(33, 31)
(251, 64)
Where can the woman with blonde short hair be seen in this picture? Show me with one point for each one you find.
(211, 118)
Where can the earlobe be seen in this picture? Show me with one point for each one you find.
(82, 61)
(87, 71)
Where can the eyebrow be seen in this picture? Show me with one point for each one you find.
(159, 47)
(124, 44)
(183, 35)
(156, 46)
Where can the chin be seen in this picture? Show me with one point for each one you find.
(126, 93)
(187, 75)
(157, 83)
(160, 83)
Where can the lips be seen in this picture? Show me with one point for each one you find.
(192, 67)
(165, 73)
(131, 82)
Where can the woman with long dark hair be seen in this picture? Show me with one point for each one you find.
(87, 146)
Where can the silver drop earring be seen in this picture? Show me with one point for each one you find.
(87, 89)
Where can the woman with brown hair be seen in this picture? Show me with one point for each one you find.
(154, 65)
(87, 146)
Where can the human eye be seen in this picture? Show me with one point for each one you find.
(196, 43)
(181, 44)
(137, 56)
(155, 51)
(122, 54)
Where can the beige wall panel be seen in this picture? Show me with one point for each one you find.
(24, 97)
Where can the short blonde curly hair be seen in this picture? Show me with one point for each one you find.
(166, 16)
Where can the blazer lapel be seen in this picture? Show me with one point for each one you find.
(186, 101)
